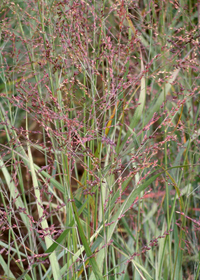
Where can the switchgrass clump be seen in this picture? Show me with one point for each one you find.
(99, 123)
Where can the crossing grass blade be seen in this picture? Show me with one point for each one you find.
(88, 251)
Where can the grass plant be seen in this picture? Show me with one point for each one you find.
(100, 137)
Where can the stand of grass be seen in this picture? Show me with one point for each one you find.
(99, 117)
